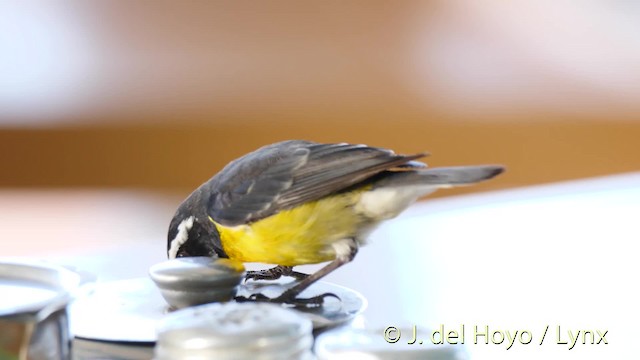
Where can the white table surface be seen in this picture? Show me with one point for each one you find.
(562, 255)
(558, 255)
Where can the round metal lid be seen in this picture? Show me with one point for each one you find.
(233, 325)
(349, 343)
(196, 272)
(234, 331)
(130, 310)
(34, 288)
(190, 281)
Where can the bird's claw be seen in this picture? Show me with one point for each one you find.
(315, 301)
(288, 300)
(260, 275)
(253, 297)
(274, 274)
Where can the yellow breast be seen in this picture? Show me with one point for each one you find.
(302, 235)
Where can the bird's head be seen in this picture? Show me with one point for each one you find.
(191, 235)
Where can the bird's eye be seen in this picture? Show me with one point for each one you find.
(182, 253)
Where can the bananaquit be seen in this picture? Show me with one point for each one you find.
(300, 202)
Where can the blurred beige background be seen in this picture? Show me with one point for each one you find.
(159, 95)
(162, 94)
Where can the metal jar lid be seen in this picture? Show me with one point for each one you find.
(34, 289)
(234, 331)
(350, 343)
(138, 303)
(191, 281)
(33, 317)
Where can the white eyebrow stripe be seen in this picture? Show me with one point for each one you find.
(181, 237)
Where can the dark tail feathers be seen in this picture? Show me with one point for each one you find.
(457, 175)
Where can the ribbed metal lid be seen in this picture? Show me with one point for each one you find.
(234, 330)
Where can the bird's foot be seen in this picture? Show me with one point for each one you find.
(274, 273)
(288, 299)
(298, 275)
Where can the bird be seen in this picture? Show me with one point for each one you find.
(299, 202)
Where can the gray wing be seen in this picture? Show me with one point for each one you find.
(287, 174)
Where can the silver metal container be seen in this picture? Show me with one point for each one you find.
(192, 281)
(235, 331)
(33, 310)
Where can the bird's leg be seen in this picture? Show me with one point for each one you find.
(274, 273)
(344, 256)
